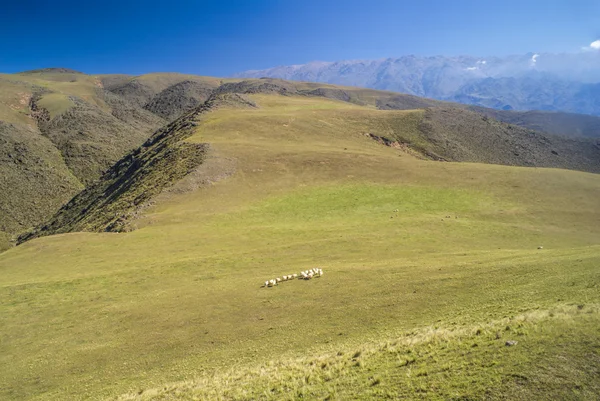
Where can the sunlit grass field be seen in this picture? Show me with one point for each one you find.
(430, 267)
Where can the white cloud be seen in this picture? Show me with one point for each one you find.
(534, 59)
(595, 45)
(478, 64)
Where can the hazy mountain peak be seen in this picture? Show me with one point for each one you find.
(542, 81)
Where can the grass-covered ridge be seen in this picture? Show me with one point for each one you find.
(109, 203)
(93, 121)
(59, 130)
(175, 308)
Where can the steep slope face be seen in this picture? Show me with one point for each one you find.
(462, 135)
(33, 177)
(179, 98)
(557, 123)
(142, 90)
(165, 158)
(60, 131)
(522, 82)
(91, 139)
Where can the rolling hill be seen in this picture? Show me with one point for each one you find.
(62, 129)
(164, 159)
(438, 133)
(431, 267)
(94, 121)
(166, 89)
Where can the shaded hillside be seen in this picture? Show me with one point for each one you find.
(179, 98)
(160, 162)
(141, 90)
(456, 134)
(91, 139)
(78, 118)
(33, 177)
(271, 86)
(552, 122)
(60, 131)
(462, 135)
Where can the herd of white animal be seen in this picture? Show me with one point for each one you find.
(305, 275)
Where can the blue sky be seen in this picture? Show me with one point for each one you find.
(219, 38)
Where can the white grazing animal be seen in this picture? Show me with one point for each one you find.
(295, 275)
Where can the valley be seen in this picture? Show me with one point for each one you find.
(430, 266)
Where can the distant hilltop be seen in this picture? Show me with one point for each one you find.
(53, 70)
(550, 82)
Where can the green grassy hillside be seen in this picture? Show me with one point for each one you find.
(438, 133)
(430, 267)
(94, 120)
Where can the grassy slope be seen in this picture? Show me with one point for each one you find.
(97, 315)
(555, 123)
(93, 128)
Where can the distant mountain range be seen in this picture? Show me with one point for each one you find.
(550, 82)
